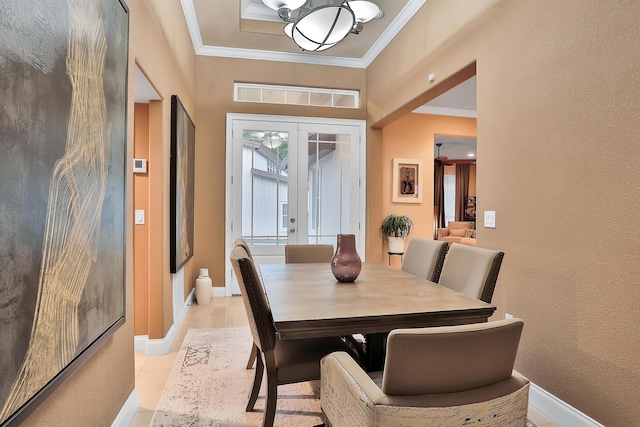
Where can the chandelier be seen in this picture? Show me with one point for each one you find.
(317, 25)
(270, 140)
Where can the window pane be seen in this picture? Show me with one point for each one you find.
(322, 99)
(248, 94)
(449, 194)
(298, 98)
(329, 186)
(273, 96)
(264, 187)
(347, 101)
(295, 95)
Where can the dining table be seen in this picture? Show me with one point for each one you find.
(307, 301)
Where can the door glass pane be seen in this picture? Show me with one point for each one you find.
(264, 187)
(329, 181)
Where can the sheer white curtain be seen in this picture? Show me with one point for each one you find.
(449, 194)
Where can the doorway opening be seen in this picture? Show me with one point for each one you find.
(293, 180)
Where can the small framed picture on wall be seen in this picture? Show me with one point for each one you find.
(407, 181)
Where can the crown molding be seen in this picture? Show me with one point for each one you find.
(266, 55)
(392, 30)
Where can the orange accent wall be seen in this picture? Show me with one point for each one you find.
(141, 231)
(412, 136)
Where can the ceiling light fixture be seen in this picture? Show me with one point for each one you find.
(270, 140)
(317, 25)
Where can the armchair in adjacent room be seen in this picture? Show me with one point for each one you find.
(455, 231)
(444, 376)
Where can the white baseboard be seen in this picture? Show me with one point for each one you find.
(559, 411)
(219, 291)
(160, 347)
(128, 411)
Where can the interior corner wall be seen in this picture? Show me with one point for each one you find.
(557, 100)
(161, 47)
(412, 137)
(214, 99)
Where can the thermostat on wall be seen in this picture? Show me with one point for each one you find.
(140, 165)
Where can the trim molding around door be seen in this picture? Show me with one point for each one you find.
(231, 117)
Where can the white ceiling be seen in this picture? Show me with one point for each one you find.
(249, 29)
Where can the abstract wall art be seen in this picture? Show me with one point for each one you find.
(183, 138)
(63, 108)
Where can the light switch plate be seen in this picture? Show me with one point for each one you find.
(139, 216)
(489, 219)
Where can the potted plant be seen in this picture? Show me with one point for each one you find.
(396, 228)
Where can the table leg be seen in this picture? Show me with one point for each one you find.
(376, 345)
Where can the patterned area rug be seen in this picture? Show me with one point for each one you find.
(209, 386)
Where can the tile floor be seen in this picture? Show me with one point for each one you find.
(152, 372)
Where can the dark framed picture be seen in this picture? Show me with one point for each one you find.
(62, 198)
(183, 140)
(470, 209)
(407, 181)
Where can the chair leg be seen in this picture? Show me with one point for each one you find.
(272, 398)
(257, 382)
(252, 356)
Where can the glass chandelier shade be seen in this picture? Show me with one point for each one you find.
(364, 11)
(316, 27)
(270, 140)
(323, 27)
(287, 4)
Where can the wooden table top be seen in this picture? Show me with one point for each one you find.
(307, 301)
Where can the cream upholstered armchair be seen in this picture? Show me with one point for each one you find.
(442, 376)
(455, 231)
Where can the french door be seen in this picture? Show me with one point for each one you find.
(292, 180)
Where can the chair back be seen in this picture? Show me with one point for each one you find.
(424, 258)
(241, 242)
(471, 270)
(308, 254)
(450, 359)
(255, 300)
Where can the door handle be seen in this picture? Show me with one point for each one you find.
(292, 229)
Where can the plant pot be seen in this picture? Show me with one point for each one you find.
(396, 244)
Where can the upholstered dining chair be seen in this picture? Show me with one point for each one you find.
(424, 258)
(445, 376)
(285, 361)
(471, 270)
(241, 242)
(254, 350)
(308, 253)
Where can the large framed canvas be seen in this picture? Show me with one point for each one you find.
(63, 110)
(183, 138)
(407, 181)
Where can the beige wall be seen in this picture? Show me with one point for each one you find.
(557, 120)
(215, 78)
(558, 113)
